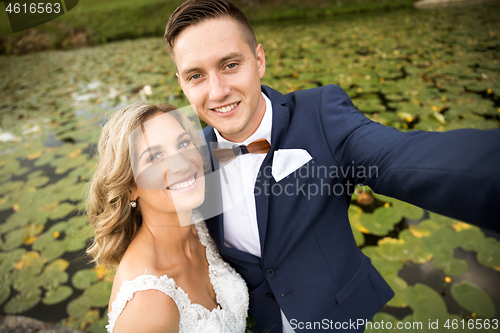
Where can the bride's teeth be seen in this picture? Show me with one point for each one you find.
(180, 186)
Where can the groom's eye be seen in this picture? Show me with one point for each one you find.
(194, 77)
(231, 65)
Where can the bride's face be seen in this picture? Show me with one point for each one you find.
(167, 166)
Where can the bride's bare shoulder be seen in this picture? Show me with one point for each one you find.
(149, 311)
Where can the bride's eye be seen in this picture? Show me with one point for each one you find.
(184, 143)
(154, 158)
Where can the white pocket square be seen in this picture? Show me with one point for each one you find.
(286, 161)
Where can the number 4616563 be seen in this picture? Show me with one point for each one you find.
(472, 324)
(33, 8)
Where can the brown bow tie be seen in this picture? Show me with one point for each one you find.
(260, 146)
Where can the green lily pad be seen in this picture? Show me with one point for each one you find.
(383, 266)
(4, 293)
(83, 278)
(78, 307)
(53, 250)
(391, 249)
(428, 306)
(21, 171)
(98, 294)
(61, 211)
(57, 265)
(23, 302)
(13, 186)
(378, 324)
(413, 248)
(13, 239)
(470, 238)
(49, 236)
(409, 325)
(398, 285)
(381, 221)
(98, 326)
(450, 266)
(408, 210)
(57, 295)
(37, 181)
(7, 260)
(489, 253)
(473, 299)
(25, 280)
(387, 215)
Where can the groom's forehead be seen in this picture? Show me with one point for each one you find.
(204, 39)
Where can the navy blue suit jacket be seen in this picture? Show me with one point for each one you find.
(311, 267)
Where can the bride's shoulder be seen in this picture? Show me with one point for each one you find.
(148, 311)
(142, 301)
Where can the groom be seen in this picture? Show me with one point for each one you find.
(294, 246)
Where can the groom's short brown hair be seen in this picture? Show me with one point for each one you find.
(192, 12)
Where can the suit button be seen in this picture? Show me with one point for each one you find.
(271, 296)
(270, 272)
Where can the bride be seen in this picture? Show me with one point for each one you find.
(169, 276)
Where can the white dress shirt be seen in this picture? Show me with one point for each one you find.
(241, 230)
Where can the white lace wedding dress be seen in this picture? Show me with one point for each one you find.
(230, 289)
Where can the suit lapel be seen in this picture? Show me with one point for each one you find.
(281, 121)
(215, 224)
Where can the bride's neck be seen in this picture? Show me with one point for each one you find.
(168, 235)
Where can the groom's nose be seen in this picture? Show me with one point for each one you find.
(218, 87)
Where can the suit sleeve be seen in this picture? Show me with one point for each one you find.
(455, 173)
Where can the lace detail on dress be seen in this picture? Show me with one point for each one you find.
(230, 289)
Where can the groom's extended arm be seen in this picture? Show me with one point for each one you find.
(455, 173)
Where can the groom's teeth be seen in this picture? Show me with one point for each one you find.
(180, 186)
(226, 108)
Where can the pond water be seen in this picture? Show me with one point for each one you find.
(432, 70)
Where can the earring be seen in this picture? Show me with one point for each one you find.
(133, 203)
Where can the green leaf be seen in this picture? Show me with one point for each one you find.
(450, 266)
(61, 211)
(83, 278)
(24, 301)
(427, 306)
(383, 266)
(98, 294)
(391, 249)
(14, 239)
(408, 210)
(375, 325)
(387, 215)
(57, 295)
(4, 293)
(398, 285)
(53, 250)
(78, 307)
(473, 299)
(489, 253)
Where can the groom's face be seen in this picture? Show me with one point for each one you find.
(220, 76)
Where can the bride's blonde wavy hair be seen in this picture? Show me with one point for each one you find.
(114, 221)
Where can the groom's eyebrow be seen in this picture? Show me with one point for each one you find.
(230, 56)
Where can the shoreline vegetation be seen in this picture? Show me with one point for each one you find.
(93, 22)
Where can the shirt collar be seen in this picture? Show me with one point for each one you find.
(264, 130)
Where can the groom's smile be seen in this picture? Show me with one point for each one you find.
(220, 75)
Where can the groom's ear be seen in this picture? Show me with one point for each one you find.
(178, 78)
